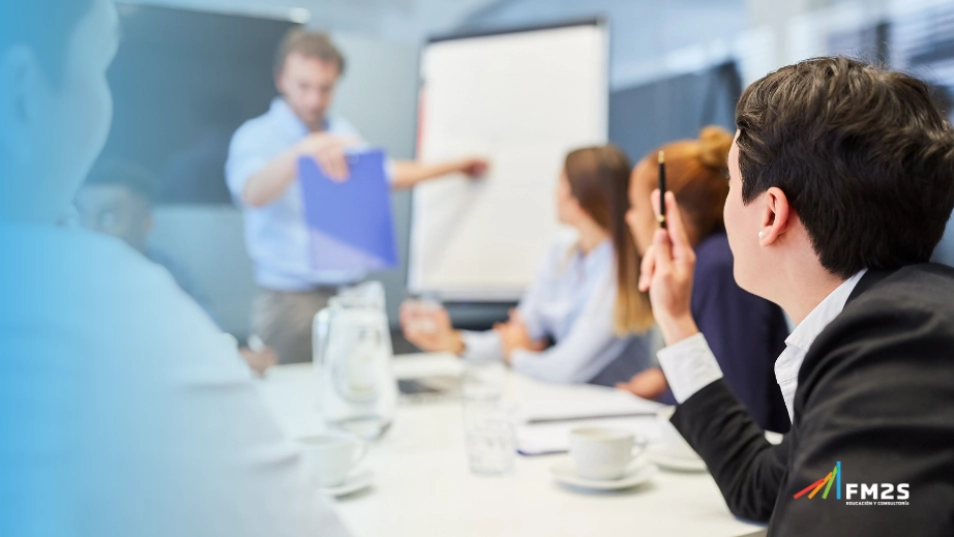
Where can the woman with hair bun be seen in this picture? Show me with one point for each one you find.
(746, 333)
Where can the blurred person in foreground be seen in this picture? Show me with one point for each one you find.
(117, 199)
(841, 183)
(123, 409)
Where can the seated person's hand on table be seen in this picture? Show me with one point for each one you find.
(667, 273)
(514, 335)
(328, 151)
(259, 360)
(648, 384)
(429, 328)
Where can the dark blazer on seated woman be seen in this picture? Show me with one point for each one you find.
(746, 333)
(875, 397)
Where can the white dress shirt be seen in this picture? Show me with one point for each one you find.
(124, 410)
(689, 365)
(572, 301)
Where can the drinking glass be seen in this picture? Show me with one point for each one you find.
(488, 429)
(421, 314)
(483, 381)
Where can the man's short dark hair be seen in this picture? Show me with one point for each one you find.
(44, 26)
(317, 45)
(864, 155)
(118, 172)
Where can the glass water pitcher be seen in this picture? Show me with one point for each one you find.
(357, 391)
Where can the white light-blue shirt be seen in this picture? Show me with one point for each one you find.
(690, 366)
(276, 235)
(571, 300)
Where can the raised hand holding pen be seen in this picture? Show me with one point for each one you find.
(667, 274)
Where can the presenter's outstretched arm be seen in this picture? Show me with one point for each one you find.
(271, 182)
(408, 173)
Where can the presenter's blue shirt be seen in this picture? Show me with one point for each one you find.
(276, 235)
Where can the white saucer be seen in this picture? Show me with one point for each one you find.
(353, 484)
(638, 472)
(666, 461)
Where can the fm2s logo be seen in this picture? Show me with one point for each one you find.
(889, 492)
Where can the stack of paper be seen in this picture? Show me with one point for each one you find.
(545, 429)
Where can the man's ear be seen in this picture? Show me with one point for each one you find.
(19, 87)
(776, 215)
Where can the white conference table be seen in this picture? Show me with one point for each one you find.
(423, 486)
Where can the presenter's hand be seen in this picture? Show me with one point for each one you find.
(514, 335)
(429, 328)
(667, 273)
(474, 168)
(329, 151)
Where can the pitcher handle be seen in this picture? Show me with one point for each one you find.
(320, 331)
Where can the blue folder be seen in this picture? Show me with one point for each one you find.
(350, 223)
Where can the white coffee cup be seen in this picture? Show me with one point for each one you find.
(671, 441)
(331, 456)
(601, 452)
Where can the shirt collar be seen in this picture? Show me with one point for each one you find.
(823, 314)
(287, 118)
(590, 263)
(596, 258)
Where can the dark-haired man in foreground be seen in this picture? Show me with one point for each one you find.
(841, 183)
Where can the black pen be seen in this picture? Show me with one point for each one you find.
(662, 190)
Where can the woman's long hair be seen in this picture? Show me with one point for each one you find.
(599, 180)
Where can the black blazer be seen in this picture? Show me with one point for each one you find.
(875, 393)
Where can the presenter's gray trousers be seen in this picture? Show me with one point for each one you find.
(283, 320)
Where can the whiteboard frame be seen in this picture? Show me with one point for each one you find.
(499, 294)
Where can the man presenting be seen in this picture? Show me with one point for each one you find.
(262, 172)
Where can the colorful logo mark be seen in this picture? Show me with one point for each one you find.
(832, 477)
